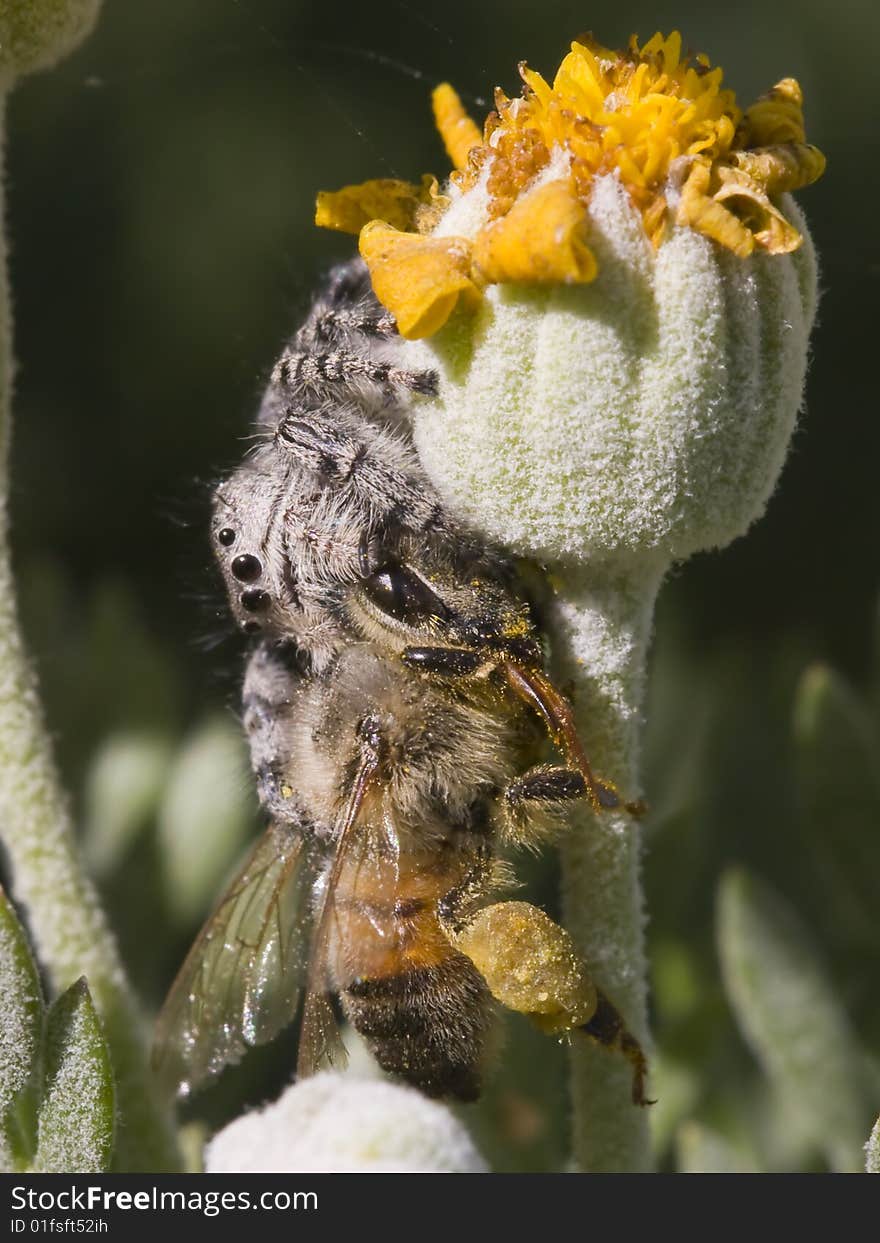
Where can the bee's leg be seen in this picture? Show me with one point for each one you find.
(545, 788)
(447, 662)
(608, 1029)
(535, 688)
(536, 804)
(549, 788)
(529, 963)
(550, 784)
(531, 966)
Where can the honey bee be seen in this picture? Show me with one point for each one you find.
(397, 708)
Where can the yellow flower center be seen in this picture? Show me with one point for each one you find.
(634, 112)
(660, 123)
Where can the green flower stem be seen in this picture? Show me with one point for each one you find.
(48, 880)
(602, 629)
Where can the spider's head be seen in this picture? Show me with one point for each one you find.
(284, 551)
(330, 533)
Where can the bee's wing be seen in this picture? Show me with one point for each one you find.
(320, 1043)
(242, 979)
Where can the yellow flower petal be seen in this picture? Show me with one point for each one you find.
(739, 214)
(776, 117)
(459, 132)
(654, 116)
(699, 210)
(385, 198)
(656, 218)
(418, 279)
(789, 166)
(770, 229)
(539, 241)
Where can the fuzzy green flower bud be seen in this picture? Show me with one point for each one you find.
(643, 416)
(35, 34)
(339, 1124)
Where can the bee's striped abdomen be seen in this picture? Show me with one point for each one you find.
(420, 1004)
(428, 1025)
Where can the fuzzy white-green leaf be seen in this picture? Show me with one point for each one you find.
(205, 816)
(123, 789)
(837, 751)
(872, 1150)
(76, 1117)
(22, 1015)
(702, 1150)
(788, 1012)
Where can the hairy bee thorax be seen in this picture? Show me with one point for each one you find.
(445, 757)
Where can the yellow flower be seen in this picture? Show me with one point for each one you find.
(658, 121)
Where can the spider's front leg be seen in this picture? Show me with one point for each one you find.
(274, 671)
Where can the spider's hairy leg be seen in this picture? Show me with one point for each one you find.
(375, 470)
(268, 704)
(345, 347)
(345, 307)
(331, 323)
(342, 369)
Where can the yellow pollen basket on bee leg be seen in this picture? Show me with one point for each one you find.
(660, 121)
(530, 965)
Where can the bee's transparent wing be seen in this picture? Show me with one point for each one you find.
(374, 910)
(320, 1042)
(242, 979)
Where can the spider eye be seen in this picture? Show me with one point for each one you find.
(400, 593)
(246, 567)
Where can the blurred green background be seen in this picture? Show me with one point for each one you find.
(161, 188)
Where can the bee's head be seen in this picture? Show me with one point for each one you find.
(432, 599)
